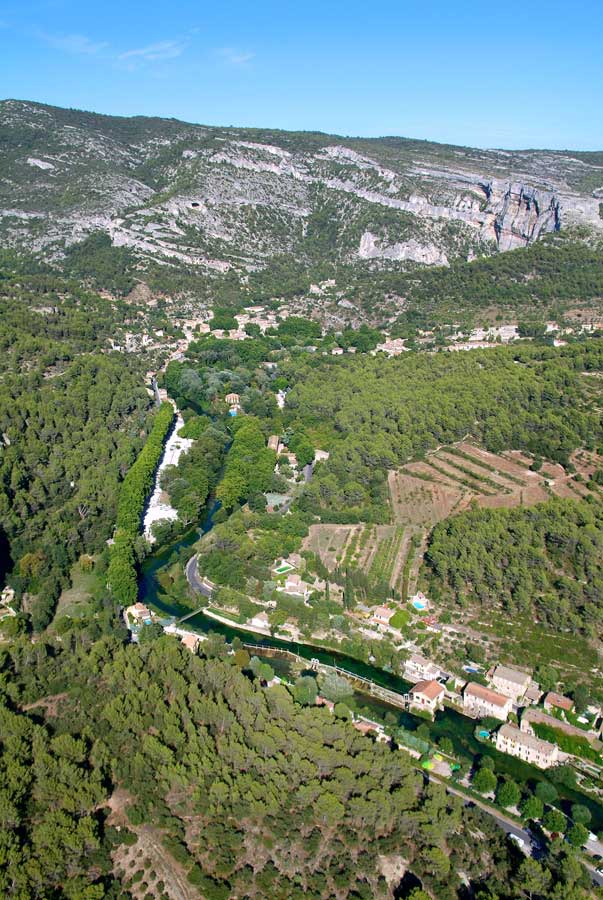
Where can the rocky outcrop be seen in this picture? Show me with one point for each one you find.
(371, 248)
(217, 199)
(524, 214)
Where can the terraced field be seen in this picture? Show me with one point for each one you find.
(425, 492)
(378, 550)
(448, 480)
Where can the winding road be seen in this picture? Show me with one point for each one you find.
(197, 583)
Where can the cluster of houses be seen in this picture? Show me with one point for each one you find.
(258, 315)
(508, 691)
(139, 614)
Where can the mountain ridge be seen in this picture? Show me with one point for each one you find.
(219, 199)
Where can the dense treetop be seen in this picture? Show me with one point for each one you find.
(254, 793)
(546, 560)
(375, 414)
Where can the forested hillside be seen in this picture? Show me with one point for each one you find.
(72, 418)
(545, 280)
(546, 561)
(243, 790)
(376, 414)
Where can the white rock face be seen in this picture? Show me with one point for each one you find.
(216, 199)
(423, 253)
(40, 163)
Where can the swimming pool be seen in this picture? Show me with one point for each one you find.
(419, 604)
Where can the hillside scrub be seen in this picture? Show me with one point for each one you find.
(376, 414)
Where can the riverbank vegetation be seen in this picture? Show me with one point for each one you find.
(133, 494)
(335, 815)
(193, 480)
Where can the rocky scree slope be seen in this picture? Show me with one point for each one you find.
(222, 198)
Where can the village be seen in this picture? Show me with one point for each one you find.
(507, 703)
(514, 710)
(506, 711)
(512, 715)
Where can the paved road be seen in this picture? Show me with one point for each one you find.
(195, 580)
(530, 845)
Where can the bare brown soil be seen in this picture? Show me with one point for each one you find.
(49, 704)
(425, 492)
(418, 502)
(330, 541)
(426, 502)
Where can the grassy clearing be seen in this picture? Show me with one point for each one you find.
(73, 601)
(400, 619)
(224, 613)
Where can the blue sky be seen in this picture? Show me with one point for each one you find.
(514, 74)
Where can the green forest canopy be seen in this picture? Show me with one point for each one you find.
(374, 414)
(545, 560)
(254, 794)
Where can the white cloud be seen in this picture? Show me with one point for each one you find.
(235, 57)
(158, 52)
(75, 43)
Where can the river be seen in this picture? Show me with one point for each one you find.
(448, 722)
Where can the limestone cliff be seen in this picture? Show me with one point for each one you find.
(225, 198)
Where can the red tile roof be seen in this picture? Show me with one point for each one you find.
(430, 689)
(478, 690)
(559, 701)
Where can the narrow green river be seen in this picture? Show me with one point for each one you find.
(448, 722)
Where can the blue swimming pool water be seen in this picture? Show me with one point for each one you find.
(418, 604)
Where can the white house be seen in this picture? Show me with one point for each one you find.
(479, 701)
(418, 668)
(296, 586)
(381, 615)
(510, 682)
(260, 620)
(427, 695)
(531, 749)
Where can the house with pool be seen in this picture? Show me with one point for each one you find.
(420, 602)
